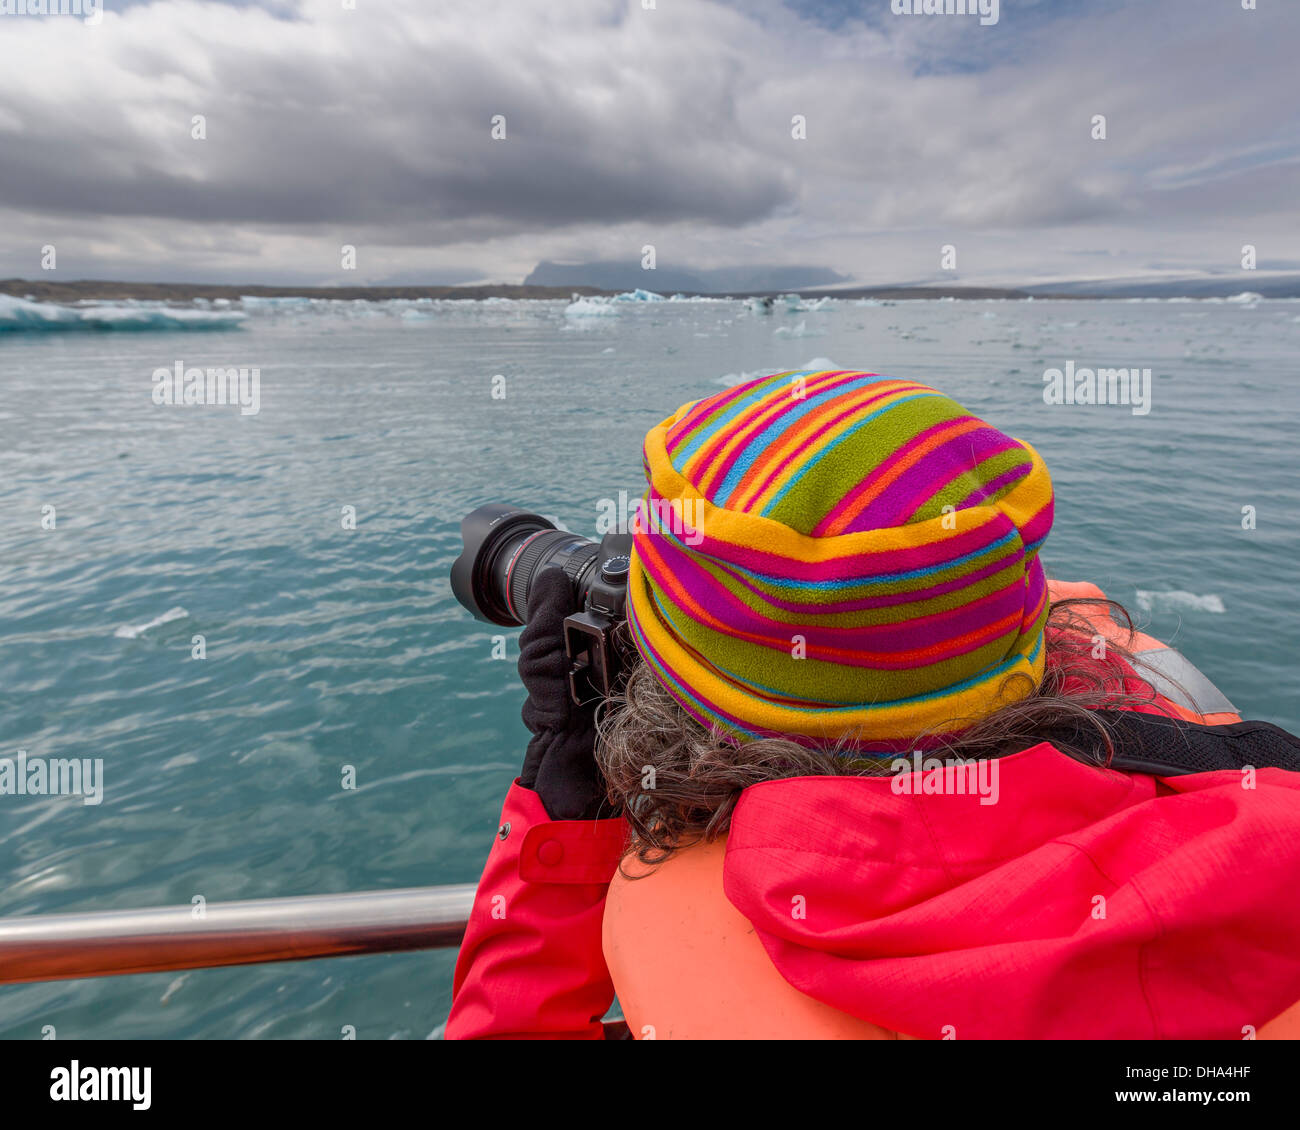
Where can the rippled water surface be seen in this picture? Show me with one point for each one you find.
(329, 647)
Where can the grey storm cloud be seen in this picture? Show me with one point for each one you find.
(311, 123)
(627, 125)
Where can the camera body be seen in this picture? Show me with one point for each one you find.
(594, 640)
(505, 548)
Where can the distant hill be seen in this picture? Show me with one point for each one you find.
(621, 275)
(1270, 286)
(104, 291)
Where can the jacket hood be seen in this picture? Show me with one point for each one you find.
(1080, 903)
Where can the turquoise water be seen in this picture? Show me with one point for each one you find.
(329, 647)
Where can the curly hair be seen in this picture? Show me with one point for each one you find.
(678, 782)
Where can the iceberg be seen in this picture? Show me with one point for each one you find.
(20, 315)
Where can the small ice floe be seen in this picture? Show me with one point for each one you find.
(816, 365)
(126, 632)
(595, 306)
(253, 302)
(1176, 600)
(730, 379)
(801, 330)
(797, 304)
(172, 988)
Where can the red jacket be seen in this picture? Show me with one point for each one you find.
(935, 910)
(938, 918)
(531, 964)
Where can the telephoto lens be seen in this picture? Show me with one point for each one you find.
(505, 548)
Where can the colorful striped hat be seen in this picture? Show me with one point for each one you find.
(840, 556)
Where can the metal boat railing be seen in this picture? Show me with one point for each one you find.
(56, 947)
(107, 943)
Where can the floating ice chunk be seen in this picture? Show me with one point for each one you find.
(801, 330)
(254, 302)
(19, 315)
(594, 306)
(816, 365)
(1176, 600)
(797, 304)
(126, 632)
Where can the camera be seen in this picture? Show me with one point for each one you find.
(505, 548)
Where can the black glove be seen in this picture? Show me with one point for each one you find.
(560, 765)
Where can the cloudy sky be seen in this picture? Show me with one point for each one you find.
(625, 126)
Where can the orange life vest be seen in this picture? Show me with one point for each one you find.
(686, 964)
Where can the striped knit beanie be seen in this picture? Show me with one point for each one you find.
(840, 556)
